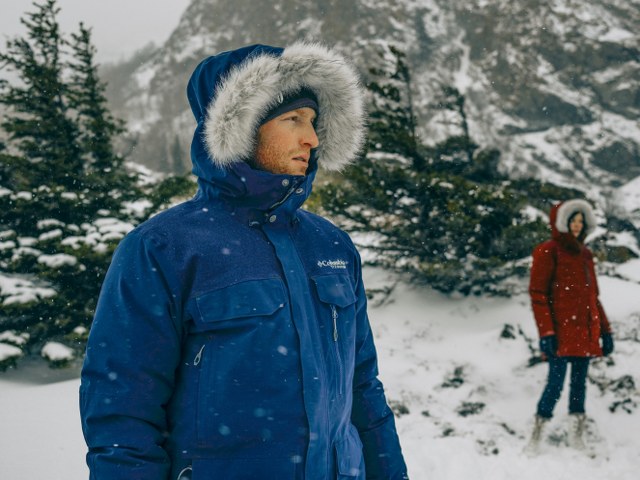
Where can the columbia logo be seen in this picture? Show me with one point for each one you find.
(341, 264)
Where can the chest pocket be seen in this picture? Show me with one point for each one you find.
(335, 290)
(337, 318)
(251, 298)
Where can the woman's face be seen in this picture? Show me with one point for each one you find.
(576, 224)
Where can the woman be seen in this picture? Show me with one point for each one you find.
(568, 314)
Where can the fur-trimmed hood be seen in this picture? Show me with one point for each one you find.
(564, 211)
(229, 93)
(559, 220)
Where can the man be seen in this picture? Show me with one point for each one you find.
(231, 338)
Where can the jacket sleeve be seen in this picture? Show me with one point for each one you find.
(605, 327)
(371, 414)
(542, 273)
(128, 373)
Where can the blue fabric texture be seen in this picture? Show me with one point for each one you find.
(231, 336)
(555, 381)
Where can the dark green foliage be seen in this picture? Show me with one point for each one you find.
(169, 189)
(443, 214)
(108, 182)
(39, 124)
(392, 124)
(62, 185)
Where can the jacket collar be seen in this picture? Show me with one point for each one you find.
(255, 195)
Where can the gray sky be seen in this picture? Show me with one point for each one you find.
(120, 27)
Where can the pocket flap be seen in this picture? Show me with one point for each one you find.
(349, 455)
(335, 290)
(251, 298)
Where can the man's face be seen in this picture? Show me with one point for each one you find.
(577, 224)
(285, 142)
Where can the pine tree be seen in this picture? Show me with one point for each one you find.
(443, 214)
(38, 123)
(392, 123)
(62, 189)
(108, 182)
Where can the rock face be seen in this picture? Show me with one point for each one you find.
(555, 85)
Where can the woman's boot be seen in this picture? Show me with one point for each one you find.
(533, 446)
(576, 430)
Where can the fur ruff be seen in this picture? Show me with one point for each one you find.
(568, 208)
(252, 88)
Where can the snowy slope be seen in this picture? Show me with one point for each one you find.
(442, 358)
(468, 392)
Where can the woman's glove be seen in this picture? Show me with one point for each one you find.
(549, 345)
(607, 344)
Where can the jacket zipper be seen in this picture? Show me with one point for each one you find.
(185, 473)
(200, 406)
(198, 357)
(334, 316)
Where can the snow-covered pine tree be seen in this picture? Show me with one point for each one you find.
(62, 192)
(108, 182)
(442, 214)
(38, 120)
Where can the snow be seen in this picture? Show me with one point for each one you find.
(144, 76)
(21, 290)
(69, 195)
(617, 35)
(27, 241)
(54, 351)
(57, 260)
(50, 235)
(49, 222)
(11, 337)
(8, 351)
(467, 393)
(23, 196)
(628, 197)
(630, 270)
(98, 234)
(624, 239)
(9, 244)
(137, 208)
(41, 437)
(113, 225)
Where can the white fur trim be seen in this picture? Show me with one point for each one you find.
(251, 88)
(568, 208)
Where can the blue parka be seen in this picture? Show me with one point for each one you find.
(231, 338)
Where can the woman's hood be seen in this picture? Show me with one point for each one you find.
(562, 212)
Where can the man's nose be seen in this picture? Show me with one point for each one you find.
(310, 137)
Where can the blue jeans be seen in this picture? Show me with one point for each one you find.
(555, 381)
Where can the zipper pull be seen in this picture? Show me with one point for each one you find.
(185, 474)
(196, 360)
(334, 315)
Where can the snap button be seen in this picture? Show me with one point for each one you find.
(285, 182)
(273, 218)
(299, 191)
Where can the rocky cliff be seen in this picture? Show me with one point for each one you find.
(553, 84)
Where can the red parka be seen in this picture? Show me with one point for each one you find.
(564, 288)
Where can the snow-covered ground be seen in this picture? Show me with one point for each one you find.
(462, 388)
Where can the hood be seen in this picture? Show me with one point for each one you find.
(559, 220)
(230, 92)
